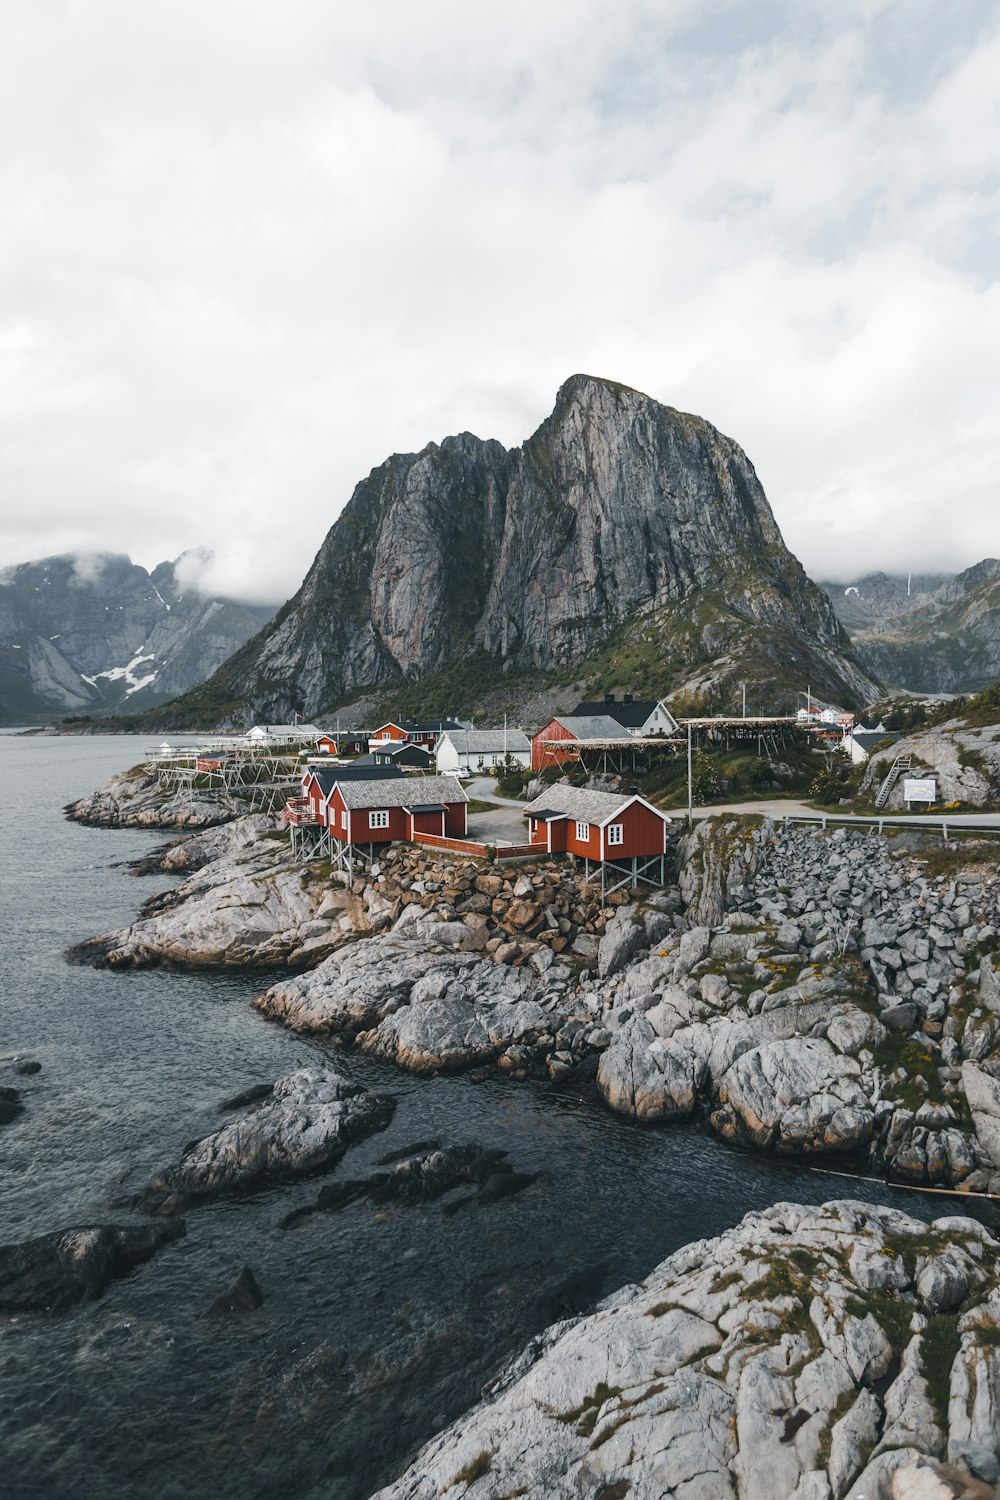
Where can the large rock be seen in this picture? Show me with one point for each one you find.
(621, 939)
(242, 911)
(982, 1091)
(797, 1095)
(55, 1271)
(748, 1367)
(717, 857)
(648, 1079)
(306, 1126)
(221, 841)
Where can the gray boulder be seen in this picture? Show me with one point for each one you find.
(305, 1126)
(650, 1080)
(55, 1271)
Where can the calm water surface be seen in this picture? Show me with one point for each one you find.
(378, 1327)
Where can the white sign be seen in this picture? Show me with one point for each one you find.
(924, 790)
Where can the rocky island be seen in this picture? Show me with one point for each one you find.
(807, 1354)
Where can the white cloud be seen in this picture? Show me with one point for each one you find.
(248, 251)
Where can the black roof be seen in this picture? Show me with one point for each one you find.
(414, 753)
(328, 776)
(427, 725)
(628, 715)
(434, 807)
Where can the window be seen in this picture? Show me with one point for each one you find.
(378, 820)
(583, 832)
(616, 834)
(343, 820)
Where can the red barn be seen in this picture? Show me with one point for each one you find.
(389, 811)
(567, 727)
(603, 826)
(326, 745)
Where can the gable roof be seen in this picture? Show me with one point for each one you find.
(865, 739)
(329, 776)
(562, 801)
(487, 741)
(590, 726)
(424, 791)
(629, 715)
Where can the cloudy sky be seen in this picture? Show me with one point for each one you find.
(248, 250)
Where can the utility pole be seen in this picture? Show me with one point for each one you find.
(744, 700)
(690, 782)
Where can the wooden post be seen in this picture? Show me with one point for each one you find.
(690, 782)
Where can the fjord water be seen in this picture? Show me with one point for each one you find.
(378, 1327)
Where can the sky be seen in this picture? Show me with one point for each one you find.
(247, 251)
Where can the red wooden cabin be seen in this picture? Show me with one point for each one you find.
(595, 727)
(596, 825)
(391, 811)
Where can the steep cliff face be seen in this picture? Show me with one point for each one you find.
(619, 521)
(94, 634)
(931, 634)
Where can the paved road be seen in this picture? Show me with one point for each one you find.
(503, 823)
(482, 787)
(786, 807)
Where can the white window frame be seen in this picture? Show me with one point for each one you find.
(343, 819)
(378, 820)
(616, 834)
(583, 832)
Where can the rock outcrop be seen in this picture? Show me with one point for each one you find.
(617, 515)
(807, 1354)
(184, 856)
(844, 1007)
(428, 1005)
(55, 1271)
(306, 1125)
(964, 758)
(139, 799)
(426, 1174)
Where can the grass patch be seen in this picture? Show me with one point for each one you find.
(892, 1313)
(938, 1346)
(584, 1417)
(474, 1469)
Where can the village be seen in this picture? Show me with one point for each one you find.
(587, 784)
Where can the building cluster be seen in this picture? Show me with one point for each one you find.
(357, 790)
(406, 785)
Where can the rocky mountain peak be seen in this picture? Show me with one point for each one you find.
(617, 514)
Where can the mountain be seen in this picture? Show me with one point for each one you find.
(625, 544)
(93, 634)
(932, 634)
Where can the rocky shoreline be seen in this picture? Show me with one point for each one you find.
(810, 993)
(137, 799)
(817, 995)
(807, 1354)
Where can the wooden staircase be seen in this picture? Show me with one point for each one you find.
(900, 766)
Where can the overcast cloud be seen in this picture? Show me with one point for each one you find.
(248, 250)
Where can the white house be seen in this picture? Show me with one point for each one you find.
(280, 734)
(859, 743)
(639, 716)
(467, 751)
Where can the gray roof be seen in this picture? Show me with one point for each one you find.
(420, 791)
(593, 727)
(574, 802)
(487, 741)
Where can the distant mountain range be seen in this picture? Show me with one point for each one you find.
(624, 545)
(926, 633)
(99, 634)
